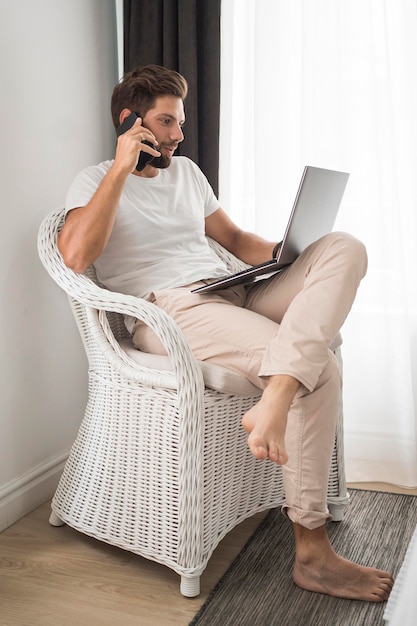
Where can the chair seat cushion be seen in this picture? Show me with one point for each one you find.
(215, 377)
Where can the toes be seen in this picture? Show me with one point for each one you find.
(276, 456)
(258, 448)
(277, 453)
(261, 450)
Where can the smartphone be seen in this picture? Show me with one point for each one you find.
(144, 157)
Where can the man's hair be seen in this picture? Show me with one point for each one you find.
(139, 89)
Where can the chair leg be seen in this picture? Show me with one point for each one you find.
(54, 520)
(190, 586)
(337, 509)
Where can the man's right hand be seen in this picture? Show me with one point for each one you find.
(131, 143)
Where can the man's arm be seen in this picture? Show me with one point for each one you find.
(87, 229)
(248, 247)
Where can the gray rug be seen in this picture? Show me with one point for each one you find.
(257, 589)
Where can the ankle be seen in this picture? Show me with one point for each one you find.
(283, 383)
(281, 388)
(311, 545)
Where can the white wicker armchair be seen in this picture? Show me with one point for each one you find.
(160, 466)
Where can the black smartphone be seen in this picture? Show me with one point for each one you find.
(144, 157)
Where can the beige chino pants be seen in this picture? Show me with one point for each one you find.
(286, 324)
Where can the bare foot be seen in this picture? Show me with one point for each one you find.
(266, 428)
(266, 421)
(321, 570)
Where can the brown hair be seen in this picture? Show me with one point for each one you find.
(139, 89)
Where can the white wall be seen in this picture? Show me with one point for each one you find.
(58, 66)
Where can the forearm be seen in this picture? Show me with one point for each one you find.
(248, 247)
(87, 229)
(251, 248)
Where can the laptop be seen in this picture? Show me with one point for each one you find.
(313, 215)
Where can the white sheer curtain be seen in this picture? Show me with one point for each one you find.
(333, 83)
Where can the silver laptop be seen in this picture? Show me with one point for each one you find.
(313, 215)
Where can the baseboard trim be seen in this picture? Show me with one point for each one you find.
(24, 494)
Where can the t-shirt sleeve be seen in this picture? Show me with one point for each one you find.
(84, 187)
(211, 203)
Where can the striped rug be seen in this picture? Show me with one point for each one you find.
(257, 589)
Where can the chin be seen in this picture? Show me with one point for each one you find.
(161, 162)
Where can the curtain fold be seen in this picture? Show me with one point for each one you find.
(183, 35)
(333, 83)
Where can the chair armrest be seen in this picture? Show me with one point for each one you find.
(186, 371)
(83, 290)
(232, 263)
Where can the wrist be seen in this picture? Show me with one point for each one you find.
(118, 172)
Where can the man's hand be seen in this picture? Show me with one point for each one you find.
(130, 144)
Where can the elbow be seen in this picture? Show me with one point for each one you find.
(72, 259)
(76, 266)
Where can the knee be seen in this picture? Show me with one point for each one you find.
(352, 249)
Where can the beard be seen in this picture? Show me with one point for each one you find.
(163, 161)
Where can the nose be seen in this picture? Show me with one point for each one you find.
(178, 135)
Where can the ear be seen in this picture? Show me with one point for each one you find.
(124, 114)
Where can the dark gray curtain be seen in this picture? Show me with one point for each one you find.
(183, 35)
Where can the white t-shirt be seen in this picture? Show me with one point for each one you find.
(158, 239)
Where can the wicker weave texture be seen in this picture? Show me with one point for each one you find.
(160, 465)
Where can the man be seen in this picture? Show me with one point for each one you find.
(145, 231)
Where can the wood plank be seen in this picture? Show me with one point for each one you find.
(59, 577)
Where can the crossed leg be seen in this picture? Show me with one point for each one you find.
(291, 426)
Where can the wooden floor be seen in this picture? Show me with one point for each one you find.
(58, 577)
